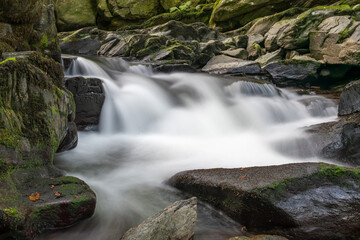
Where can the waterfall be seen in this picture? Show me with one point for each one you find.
(154, 125)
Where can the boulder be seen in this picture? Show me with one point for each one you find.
(168, 4)
(227, 65)
(346, 149)
(293, 72)
(176, 30)
(175, 222)
(74, 14)
(36, 120)
(350, 99)
(81, 42)
(41, 204)
(229, 14)
(298, 201)
(89, 96)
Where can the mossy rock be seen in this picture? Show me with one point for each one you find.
(75, 14)
(31, 204)
(287, 200)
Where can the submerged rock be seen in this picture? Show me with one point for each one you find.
(350, 99)
(175, 222)
(89, 96)
(299, 201)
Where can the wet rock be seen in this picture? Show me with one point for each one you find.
(70, 140)
(347, 148)
(293, 72)
(350, 99)
(174, 222)
(176, 67)
(67, 60)
(89, 96)
(298, 201)
(227, 65)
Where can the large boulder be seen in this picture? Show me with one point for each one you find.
(350, 99)
(89, 98)
(75, 14)
(28, 25)
(230, 14)
(299, 201)
(222, 64)
(175, 222)
(36, 120)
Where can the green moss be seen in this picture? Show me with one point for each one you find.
(337, 172)
(347, 32)
(8, 138)
(7, 60)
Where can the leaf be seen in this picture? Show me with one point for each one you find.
(243, 176)
(34, 196)
(173, 9)
(52, 186)
(242, 169)
(58, 194)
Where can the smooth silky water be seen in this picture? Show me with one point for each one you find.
(155, 125)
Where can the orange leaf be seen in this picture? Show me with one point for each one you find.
(243, 176)
(34, 196)
(52, 186)
(242, 169)
(57, 194)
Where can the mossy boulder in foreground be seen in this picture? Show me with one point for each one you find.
(36, 120)
(299, 201)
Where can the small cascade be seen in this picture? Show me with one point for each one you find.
(155, 125)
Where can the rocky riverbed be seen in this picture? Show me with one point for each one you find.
(313, 46)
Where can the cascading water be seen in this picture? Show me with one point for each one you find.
(155, 125)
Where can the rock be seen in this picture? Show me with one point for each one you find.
(241, 41)
(73, 14)
(259, 237)
(36, 120)
(177, 30)
(71, 139)
(227, 65)
(293, 72)
(347, 148)
(298, 201)
(270, 57)
(67, 60)
(89, 96)
(175, 222)
(80, 42)
(177, 67)
(240, 53)
(272, 36)
(228, 14)
(18, 55)
(29, 25)
(62, 202)
(168, 4)
(350, 99)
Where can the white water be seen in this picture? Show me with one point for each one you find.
(155, 125)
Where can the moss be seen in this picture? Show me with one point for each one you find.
(8, 138)
(347, 32)
(8, 59)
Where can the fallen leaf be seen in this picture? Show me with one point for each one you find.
(242, 169)
(52, 186)
(57, 194)
(34, 196)
(243, 176)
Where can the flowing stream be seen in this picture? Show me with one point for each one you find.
(155, 125)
